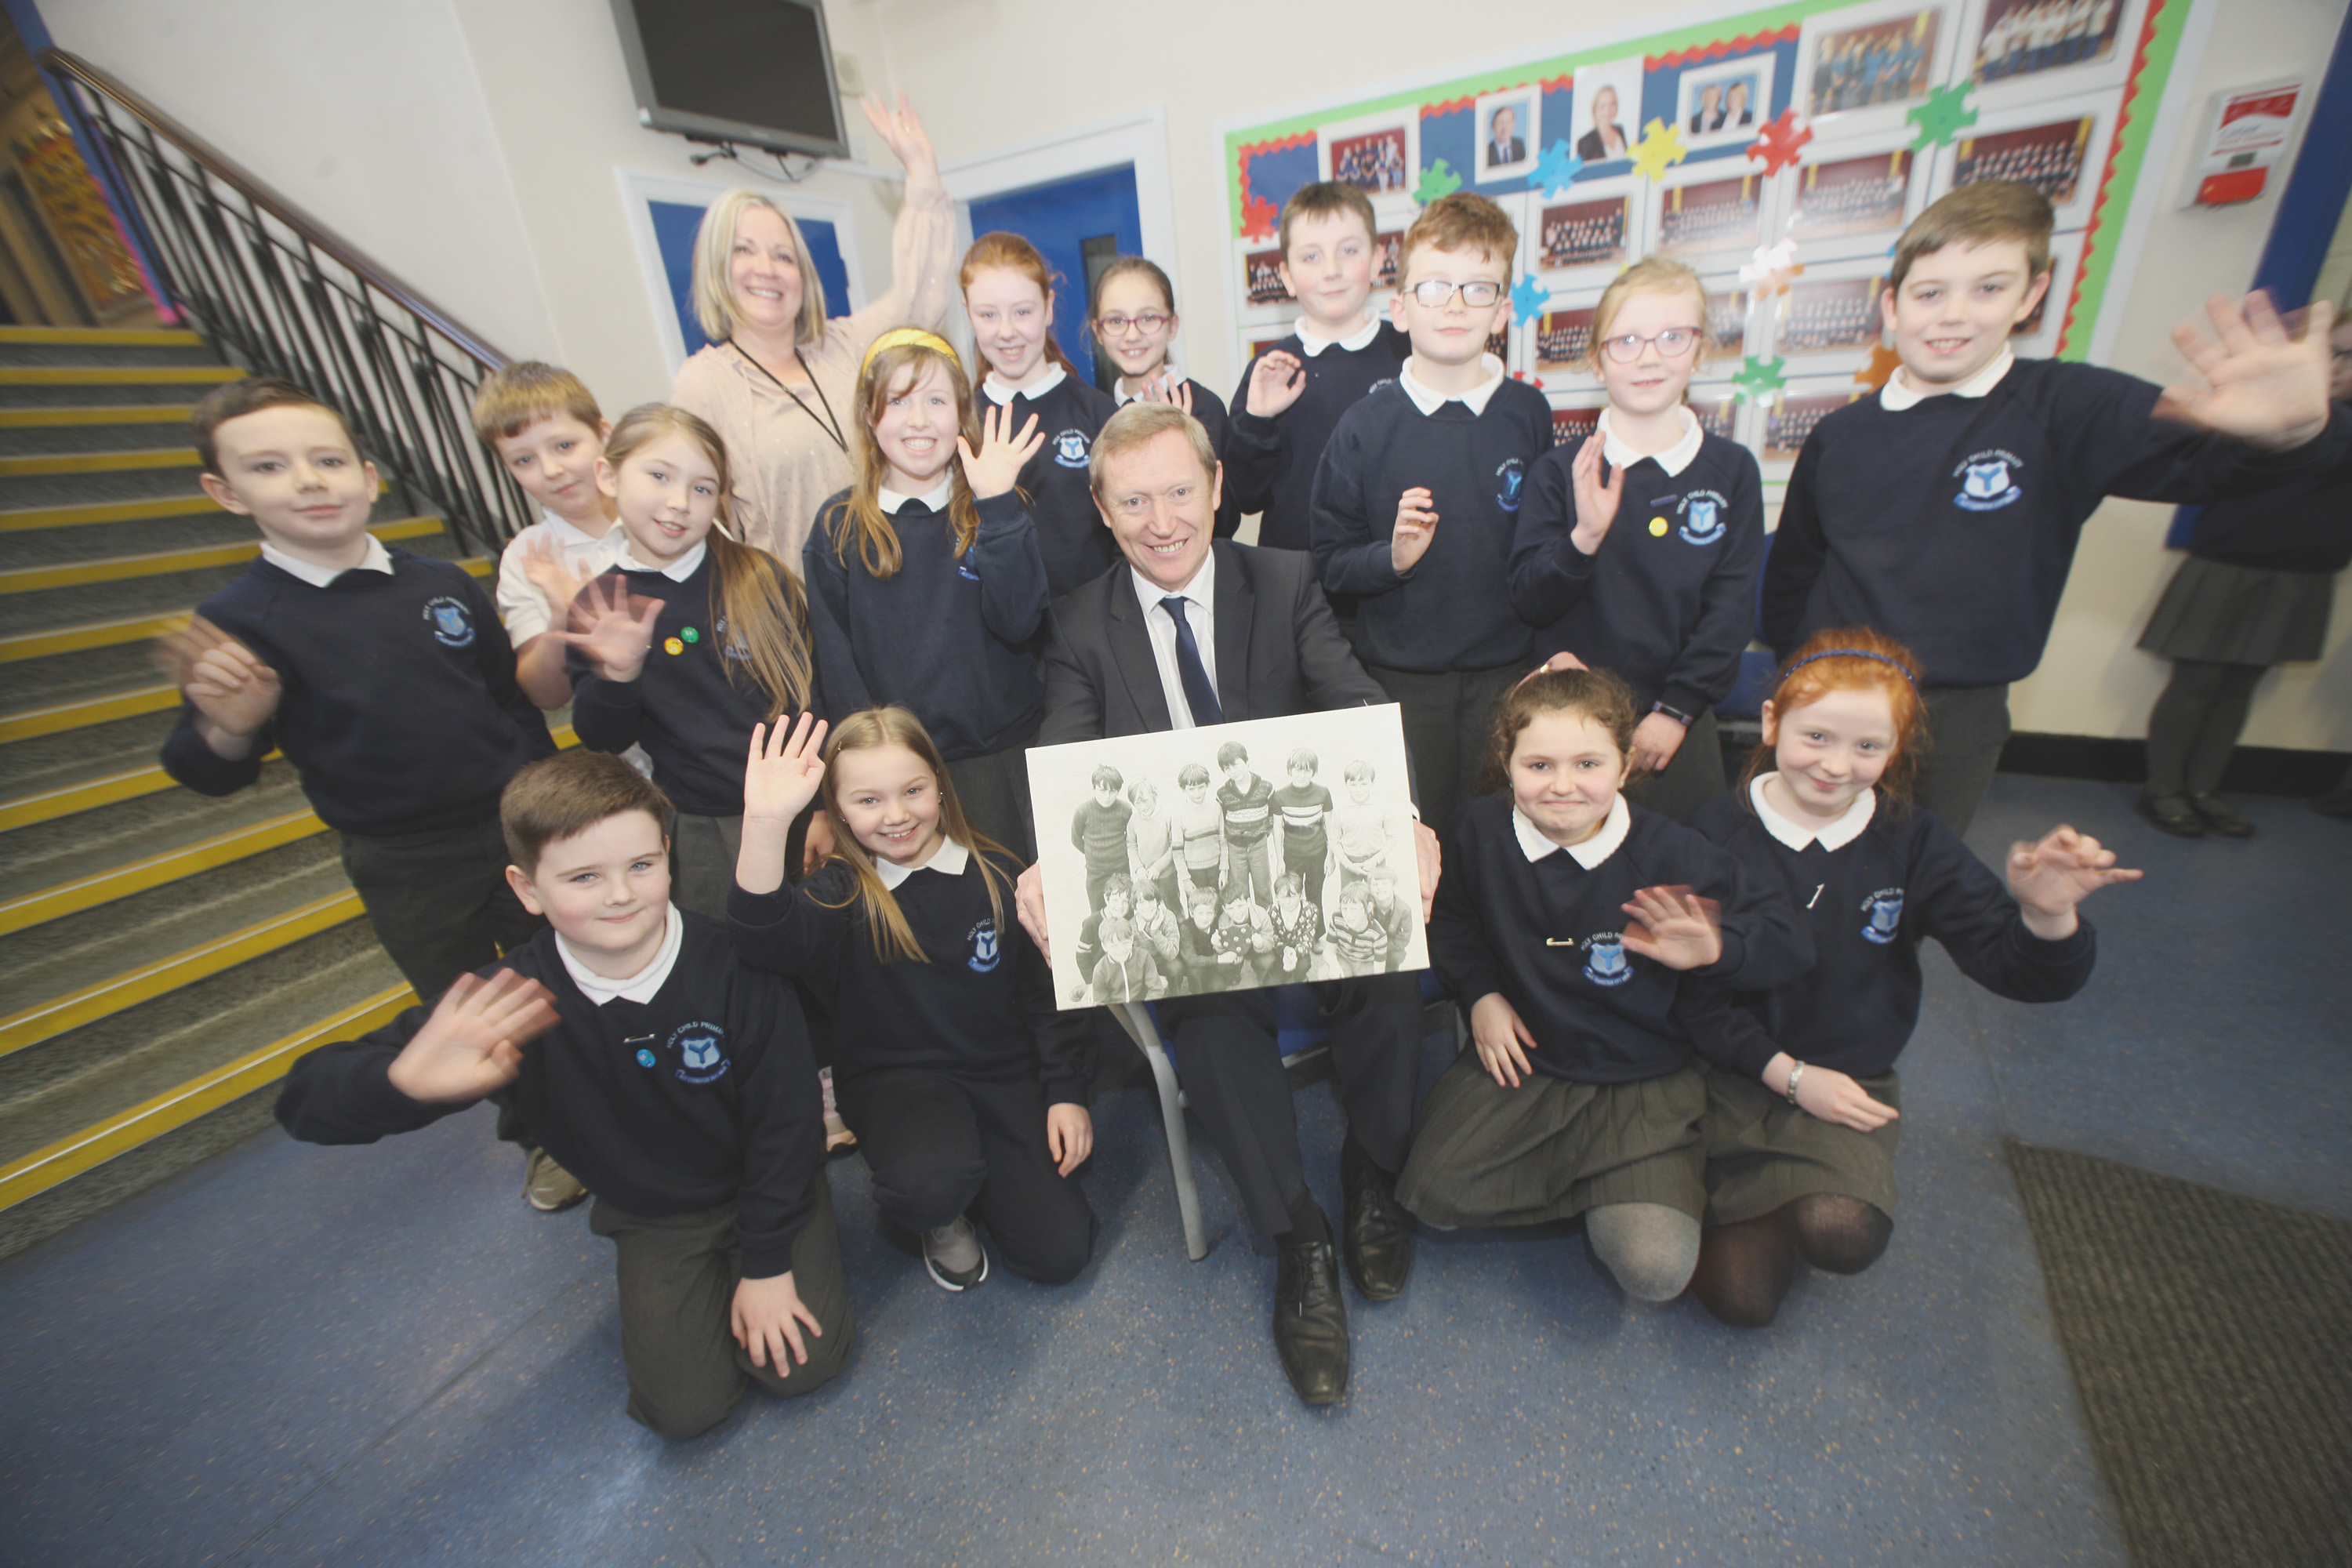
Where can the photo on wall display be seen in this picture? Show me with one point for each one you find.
(1575, 416)
(1606, 110)
(1802, 406)
(1508, 134)
(1564, 341)
(1386, 247)
(1873, 63)
(2018, 38)
(1834, 199)
(1829, 315)
(2059, 146)
(1727, 321)
(1266, 852)
(1697, 217)
(1263, 269)
(1375, 153)
(1723, 104)
(1592, 233)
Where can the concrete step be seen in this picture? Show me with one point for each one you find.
(51, 853)
(153, 336)
(46, 609)
(89, 427)
(64, 757)
(97, 457)
(239, 840)
(53, 397)
(140, 696)
(138, 535)
(70, 677)
(113, 355)
(61, 557)
(31, 491)
(132, 369)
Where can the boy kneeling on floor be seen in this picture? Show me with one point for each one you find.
(673, 1081)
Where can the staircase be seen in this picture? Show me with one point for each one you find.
(163, 956)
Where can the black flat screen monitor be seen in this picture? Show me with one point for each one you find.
(759, 72)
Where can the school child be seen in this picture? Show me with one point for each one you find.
(1156, 925)
(1584, 1096)
(544, 427)
(1296, 922)
(674, 1079)
(1944, 511)
(1293, 393)
(1637, 551)
(1243, 940)
(384, 678)
(1801, 1114)
(1125, 972)
(1197, 958)
(1008, 295)
(691, 641)
(967, 1089)
(926, 587)
(1134, 322)
(1099, 828)
(1200, 830)
(1417, 493)
(1359, 946)
(1150, 842)
(1394, 916)
(1304, 807)
(1246, 801)
(1361, 832)
(1117, 903)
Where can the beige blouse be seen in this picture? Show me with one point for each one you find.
(783, 460)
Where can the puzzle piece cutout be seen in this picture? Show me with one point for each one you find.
(1943, 116)
(1777, 145)
(1438, 180)
(1259, 218)
(1528, 299)
(1760, 380)
(1660, 147)
(1556, 168)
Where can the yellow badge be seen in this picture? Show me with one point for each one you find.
(672, 645)
(1657, 528)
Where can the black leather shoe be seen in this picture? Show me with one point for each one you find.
(2171, 813)
(2222, 816)
(1310, 1322)
(1377, 1230)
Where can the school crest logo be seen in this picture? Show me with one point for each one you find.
(1702, 518)
(1070, 449)
(1511, 476)
(701, 1051)
(984, 954)
(1605, 962)
(1885, 909)
(1384, 381)
(452, 622)
(1988, 480)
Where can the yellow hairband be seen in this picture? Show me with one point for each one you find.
(897, 337)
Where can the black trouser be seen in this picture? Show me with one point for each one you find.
(702, 851)
(439, 902)
(993, 791)
(677, 1275)
(1449, 727)
(2196, 724)
(1967, 727)
(942, 1144)
(1692, 776)
(1225, 1051)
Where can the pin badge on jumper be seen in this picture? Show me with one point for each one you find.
(690, 635)
(671, 644)
(1657, 528)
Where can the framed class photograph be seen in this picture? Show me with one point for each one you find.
(1851, 205)
(1593, 234)
(1720, 216)
(2020, 49)
(1575, 416)
(1785, 424)
(1729, 307)
(1262, 279)
(1719, 409)
(1386, 247)
(1269, 852)
(1377, 153)
(1508, 137)
(2059, 146)
(1829, 315)
(1861, 67)
(1722, 104)
(1564, 343)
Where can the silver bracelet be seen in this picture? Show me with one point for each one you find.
(1794, 1074)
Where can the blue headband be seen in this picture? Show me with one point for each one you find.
(1848, 653)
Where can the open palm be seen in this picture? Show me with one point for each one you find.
(2263, 384)
(784, 771)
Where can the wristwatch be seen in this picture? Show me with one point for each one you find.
(1676, 714)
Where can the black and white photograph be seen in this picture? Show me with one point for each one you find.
(1582, 234)
(1710, 215)
(1509, 136)
(1850, 196)
(2024, 37)
(1884, 62)
(1377, 162)
(1269, 852)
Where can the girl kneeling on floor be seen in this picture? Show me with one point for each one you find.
(1802, 1112)
(967, 1089)
(1583, 1097)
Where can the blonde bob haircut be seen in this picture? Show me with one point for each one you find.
(714, 250)
(1139, 424)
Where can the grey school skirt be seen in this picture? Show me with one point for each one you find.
(1762, 1151)
(2241, 614)
(1550, 1149)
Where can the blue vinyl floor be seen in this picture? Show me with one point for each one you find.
(379, 1355)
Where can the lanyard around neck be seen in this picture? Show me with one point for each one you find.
(830, 424)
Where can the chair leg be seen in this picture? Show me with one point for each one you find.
(1136, 1021)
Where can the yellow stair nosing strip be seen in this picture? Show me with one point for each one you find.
(68, 1157)
(112, 995)
(133, 337)
(88, 795)
(100, 414)
(119, 374)
(163, 563)
(90, 635)
(38, 721)
(26, 465)
(171, 865)
(198, 504)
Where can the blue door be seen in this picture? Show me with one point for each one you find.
(1078, 225)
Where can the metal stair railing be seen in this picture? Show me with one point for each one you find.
(275, 292)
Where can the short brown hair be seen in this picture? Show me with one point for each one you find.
(1463, 221)
(251, 395)
(1981, 213)
(1138, 423)
(1324, 198)
(1595, 694)
(566, 794)
(514, 394)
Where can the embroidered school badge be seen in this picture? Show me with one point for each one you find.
(1885, 909)
(1070, 449)
(1605, 962)
(984, 954)
(1986, 481)
(452, 623)
(1702, 518)
(1512, 476)
(701, 1051)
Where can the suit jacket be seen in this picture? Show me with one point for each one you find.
(1279, 651)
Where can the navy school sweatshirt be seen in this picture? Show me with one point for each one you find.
(1868, 905)
(1452, 610)
(983, 1007)
(692, 719)
(400, 710)
(1076, 545)
(704, 1096)
(954, 639)
(1951, 525)
(1667, 600)
(2303, 525)
(1546, 934)
(1270, 463)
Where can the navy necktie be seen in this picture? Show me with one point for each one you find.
(1199, 696)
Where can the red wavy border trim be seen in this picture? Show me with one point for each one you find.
(1719, 50)
(1242, 159)
(2106, 175)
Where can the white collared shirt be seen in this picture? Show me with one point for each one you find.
(521, 606)
(1199, 596)
(677, 571)
(949, 860)
(1897, 394)
(1121, 397)
(1673, 459)
(1588, 854)
(1430, 402)
(1313, 342)
(1003, 395)
(377, 559)
(639, 987)
(891, 501)
(1796, 836)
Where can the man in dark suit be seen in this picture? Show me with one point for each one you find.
(1504, 144)
(1188, 631)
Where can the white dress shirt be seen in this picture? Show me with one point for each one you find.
(639, 987)
(1588, 854)
(1200, 597)
(377, 559)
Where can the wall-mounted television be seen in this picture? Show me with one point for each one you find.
(755, 72)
